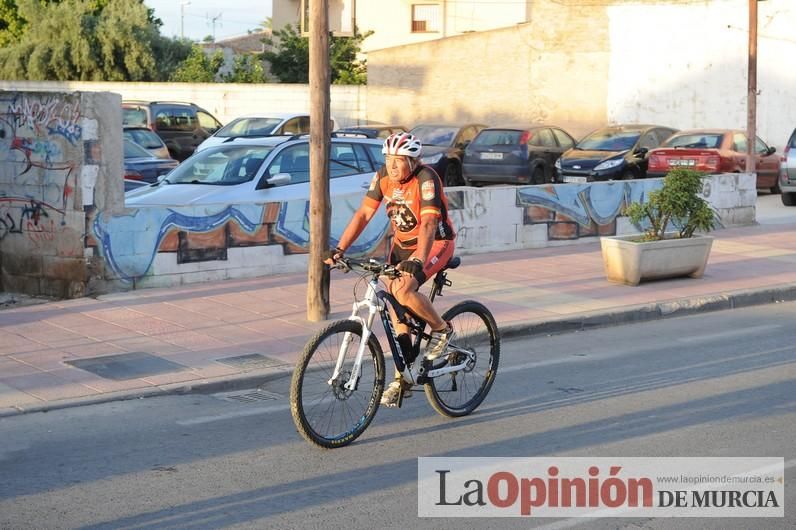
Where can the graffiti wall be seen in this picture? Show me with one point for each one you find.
(56, 156)
(162, 246)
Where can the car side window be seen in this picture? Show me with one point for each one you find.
(293, 160)
(546, 138)
(343, 161)
(175, 119)
(296, 126)
(739, 142)
(760, 146)
(376, 156)
(563, 140)
(648, 140)
(663, 135)
(207, 122)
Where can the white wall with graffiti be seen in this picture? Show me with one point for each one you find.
(164, 246)
(60, 156)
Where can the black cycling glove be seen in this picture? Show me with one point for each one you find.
(411, 266)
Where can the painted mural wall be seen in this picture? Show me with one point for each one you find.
(57, 160)
(164, 246)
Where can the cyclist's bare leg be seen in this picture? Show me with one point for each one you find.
(404, 289)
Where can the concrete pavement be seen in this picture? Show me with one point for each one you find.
(233, 334)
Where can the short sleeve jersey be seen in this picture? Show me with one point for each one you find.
(407, 202)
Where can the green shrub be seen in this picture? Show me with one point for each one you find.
(678, 204)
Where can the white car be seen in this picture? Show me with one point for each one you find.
(260, 125)
(258, 170)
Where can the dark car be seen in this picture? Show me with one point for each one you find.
(181, 126)
(787, 175)
(147, 139)
(515, 155)
(715, 151)
(443, 148)
(610, 153)
(371, 131)
(139, 164)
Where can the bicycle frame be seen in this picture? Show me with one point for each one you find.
(375, 301)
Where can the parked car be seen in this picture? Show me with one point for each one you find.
(139, 164)
(787, 178)
(147, 139)
(515, 155)
(715, 151)
(371, 131)
(615, 152)
(181, 126)
(259, 125)
(262, 169)
(443, 148)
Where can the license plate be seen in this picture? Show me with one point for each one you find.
(683, 162)
(491, 156)
(575, 180)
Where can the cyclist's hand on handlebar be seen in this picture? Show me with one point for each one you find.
(333, 256)
(410, 266)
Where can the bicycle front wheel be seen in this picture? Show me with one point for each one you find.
(475, 332)
(326, 410)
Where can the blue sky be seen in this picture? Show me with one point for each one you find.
(237, 16)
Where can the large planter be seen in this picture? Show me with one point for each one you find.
(630, 263)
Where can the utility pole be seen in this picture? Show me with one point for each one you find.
(751, 96)
(182, 18)
(217, 17)
(320, 130)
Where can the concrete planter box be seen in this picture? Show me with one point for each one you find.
(630, 263)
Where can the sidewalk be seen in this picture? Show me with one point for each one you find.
(218, 335)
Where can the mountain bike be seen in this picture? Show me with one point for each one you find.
(338, 381)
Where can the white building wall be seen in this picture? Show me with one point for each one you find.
(686, 66)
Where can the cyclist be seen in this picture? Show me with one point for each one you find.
(423, 240)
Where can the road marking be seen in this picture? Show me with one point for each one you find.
(727, 334)
(578, 521)
(238, 414)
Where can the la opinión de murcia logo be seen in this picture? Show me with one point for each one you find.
(601, 487)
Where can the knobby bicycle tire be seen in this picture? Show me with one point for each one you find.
(313, 371)
(474, 328)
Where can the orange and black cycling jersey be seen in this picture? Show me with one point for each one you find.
(421, 194)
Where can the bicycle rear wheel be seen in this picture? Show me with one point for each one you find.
(459, 393)
(325, 412)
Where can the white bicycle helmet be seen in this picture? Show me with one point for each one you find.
(402, 144)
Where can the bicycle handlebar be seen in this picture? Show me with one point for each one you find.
(368, 265)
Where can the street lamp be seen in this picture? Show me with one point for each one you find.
(182, 17)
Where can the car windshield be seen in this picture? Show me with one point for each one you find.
(133, 150)
(498, 137)
(435, 135)
(134, 116)
(144, 137)
(230, 164)
(249, 127)
(609, 140)
(705, 141)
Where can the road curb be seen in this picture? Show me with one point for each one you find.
(653, 311)
(579, 322)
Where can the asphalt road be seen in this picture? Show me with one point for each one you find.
(718, 384)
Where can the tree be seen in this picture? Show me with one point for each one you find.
(290, 57)
(88, 40)
(246, 69)
(198, 67)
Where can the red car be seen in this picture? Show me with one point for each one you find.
(714, 151)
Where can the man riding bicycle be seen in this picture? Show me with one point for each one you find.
(423, 240)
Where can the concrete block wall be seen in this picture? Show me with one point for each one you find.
(158, 247)
(60, 156)
(225, 101)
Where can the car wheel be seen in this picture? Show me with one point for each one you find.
(453, 175)
(538, 175)
(788, 198)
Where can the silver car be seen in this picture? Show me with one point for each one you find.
(787, 173)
